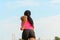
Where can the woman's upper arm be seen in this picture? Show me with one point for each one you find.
(24, 19)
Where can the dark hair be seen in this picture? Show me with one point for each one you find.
(28, 14)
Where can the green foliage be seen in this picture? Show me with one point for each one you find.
(57, 38)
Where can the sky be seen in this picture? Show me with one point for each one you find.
(45, 13)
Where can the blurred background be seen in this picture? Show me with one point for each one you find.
(45, 13)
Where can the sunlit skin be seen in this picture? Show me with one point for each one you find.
(23, 19)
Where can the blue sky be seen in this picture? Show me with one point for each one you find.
(47, 11)
(45, 8)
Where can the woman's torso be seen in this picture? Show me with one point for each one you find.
(27, 25)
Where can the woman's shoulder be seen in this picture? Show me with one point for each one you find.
(24, 18)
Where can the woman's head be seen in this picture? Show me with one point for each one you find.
(27, 13)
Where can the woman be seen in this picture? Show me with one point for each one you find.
(27, 26)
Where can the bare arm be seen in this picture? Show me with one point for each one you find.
(23, 20)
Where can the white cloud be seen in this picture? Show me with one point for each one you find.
(48, 27)
(55, 1)
(31, 3)
(8, 26)
(25, 3)
(54, 4)
(45, 28)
